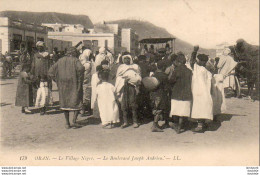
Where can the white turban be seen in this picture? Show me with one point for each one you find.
(226, 51)
(131, 59)
(40, 44)
(84, 57)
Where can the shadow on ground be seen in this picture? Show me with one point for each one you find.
(215, 125)
(5, 84)
(5, 104)
(90, 121)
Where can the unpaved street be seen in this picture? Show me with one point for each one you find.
(234, 140)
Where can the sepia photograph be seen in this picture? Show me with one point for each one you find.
(129, 83)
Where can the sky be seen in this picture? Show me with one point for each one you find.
(203, 22)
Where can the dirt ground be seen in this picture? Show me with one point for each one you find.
(233, 140)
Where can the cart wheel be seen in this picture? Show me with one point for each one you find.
(238, 87)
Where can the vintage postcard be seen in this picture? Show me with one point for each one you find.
(120, 82)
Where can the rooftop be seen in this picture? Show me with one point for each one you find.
(19, 24)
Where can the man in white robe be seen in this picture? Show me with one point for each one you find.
(101, 56)
(226, 66)
(127, 87)
(223, 79)
(202, 108)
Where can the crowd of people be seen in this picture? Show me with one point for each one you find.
(129, 89)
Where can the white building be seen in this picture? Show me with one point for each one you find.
(14, 32)
(71, 28)
(93, 41)
(129, 40)
(61, 45)
(110, 36)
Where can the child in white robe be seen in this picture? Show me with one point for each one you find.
(105, 95)
(202, 108)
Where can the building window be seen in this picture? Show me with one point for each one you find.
(95, 43)
(17, 40)
(30, 43)
(119, 43)
(40, 39)
(87, 43)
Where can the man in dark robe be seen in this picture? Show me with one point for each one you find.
(68, 73)
(40, 65)
(41, 61)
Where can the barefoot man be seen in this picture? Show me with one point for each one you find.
(68, 73)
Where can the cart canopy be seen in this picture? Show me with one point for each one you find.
(155, 40)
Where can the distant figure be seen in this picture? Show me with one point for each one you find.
(2, 69)
(168, 49)
(151, 50)
(144, 50)
(8, 64)
(161, 54)
(68, 73)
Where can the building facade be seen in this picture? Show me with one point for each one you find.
(93, 41)
(110, 36)
(72, 28)
(61, 45)
(130, 40)
(14, 32)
